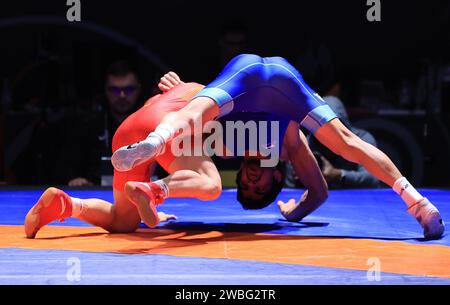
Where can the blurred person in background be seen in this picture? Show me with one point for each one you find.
(339, 173)
(83, 167)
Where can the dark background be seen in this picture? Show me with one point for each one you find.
(183, 34)
(65, 62)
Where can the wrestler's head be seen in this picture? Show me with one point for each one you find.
(257, 186)
(122, 88)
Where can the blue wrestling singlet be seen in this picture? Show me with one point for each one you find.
(250, 83)
(261, 135)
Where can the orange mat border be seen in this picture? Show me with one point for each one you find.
(345, 253)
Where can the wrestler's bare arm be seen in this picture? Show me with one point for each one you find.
(309, 173)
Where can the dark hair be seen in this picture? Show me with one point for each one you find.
(121, 68)
(268, 198)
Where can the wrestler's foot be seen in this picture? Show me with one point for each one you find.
(128, 157)
(429, 218)
(54, 204)
(146, 196)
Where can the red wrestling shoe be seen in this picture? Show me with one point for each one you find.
(146, 196)
(53, 205)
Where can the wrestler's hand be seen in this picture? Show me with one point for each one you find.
(286, 208)
(293, 210)
(166, 217)
(168, 81)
